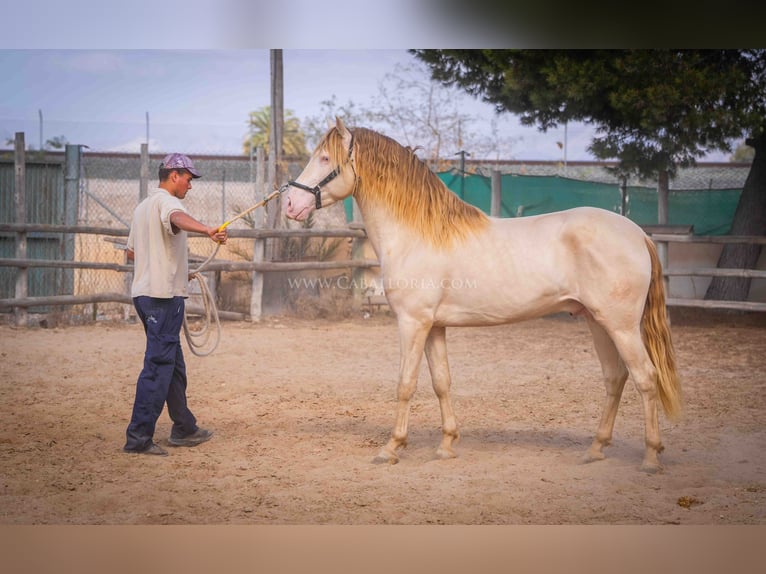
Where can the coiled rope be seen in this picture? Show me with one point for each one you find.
(199, 339)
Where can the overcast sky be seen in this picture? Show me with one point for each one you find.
(199, 100)
(93, 70)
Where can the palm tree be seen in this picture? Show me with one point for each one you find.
(259, 124)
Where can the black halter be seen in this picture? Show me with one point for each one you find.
(317, 189)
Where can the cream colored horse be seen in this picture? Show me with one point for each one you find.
(444, 263)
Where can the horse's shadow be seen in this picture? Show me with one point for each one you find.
(571, 443)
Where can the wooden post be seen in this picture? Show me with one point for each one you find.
(20, 205)
(143, 186)
(276, 169)
(495, 209)
(259, 245)
(277, 107)
(624, 197)
(269, 183)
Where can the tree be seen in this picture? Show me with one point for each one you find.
(259, 124)
(749, 219)
(742, 154)
(426, 114)
(58, 142)
(353, 116)
(654, 111)
(420, 113)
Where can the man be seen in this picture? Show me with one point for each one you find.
(157, 244)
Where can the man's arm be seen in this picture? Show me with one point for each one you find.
(188, 223)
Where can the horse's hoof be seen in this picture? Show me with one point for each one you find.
(593, 456)
(445, 454)
(385, 457)
(651, 467)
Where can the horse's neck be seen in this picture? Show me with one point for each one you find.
(382, 231)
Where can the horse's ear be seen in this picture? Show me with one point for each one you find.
(342, 129)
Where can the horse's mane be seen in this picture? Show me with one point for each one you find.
(393, 175)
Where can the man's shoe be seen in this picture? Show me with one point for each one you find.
(200, 435)
(153, 448)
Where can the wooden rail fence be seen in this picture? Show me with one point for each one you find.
(664, 238)
(21, 301)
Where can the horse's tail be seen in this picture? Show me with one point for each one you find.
(656, 335)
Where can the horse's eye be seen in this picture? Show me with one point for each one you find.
(324, 158)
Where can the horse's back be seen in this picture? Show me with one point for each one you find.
(584, 219)
(575, 232)
(586, 255)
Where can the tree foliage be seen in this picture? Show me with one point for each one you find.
(259, 130)
(653, 110)
(743, 153)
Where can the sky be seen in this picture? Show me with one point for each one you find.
(199, 100)
(186, 74)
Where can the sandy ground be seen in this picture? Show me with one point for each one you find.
(300, 408)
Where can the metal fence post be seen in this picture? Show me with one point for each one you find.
(143, 185)
(71, 207)
(663, 185)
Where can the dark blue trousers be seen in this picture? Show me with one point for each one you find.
(163, 377)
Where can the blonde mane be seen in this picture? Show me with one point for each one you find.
(391, 174)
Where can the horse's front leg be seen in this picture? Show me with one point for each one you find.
(412, 338)
(436, 353)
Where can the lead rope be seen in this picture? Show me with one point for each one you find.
(198, 339)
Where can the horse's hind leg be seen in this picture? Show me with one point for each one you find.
(436, 354)
(634, 353)
(615, 375)
(412, 338)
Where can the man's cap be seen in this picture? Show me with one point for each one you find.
(179, 161)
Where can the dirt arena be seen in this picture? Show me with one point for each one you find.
(300, 408)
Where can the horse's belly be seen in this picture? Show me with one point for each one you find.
(501, 307)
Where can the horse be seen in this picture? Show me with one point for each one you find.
(444, 263)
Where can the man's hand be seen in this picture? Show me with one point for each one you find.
(186, 222)
(218, 236)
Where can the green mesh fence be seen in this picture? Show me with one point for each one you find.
(710, 211)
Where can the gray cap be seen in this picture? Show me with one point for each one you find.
(179, 161)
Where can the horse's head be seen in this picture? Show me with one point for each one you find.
(329, 176)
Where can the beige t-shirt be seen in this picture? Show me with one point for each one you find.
(160, 255)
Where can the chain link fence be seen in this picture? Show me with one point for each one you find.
(110, 190)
